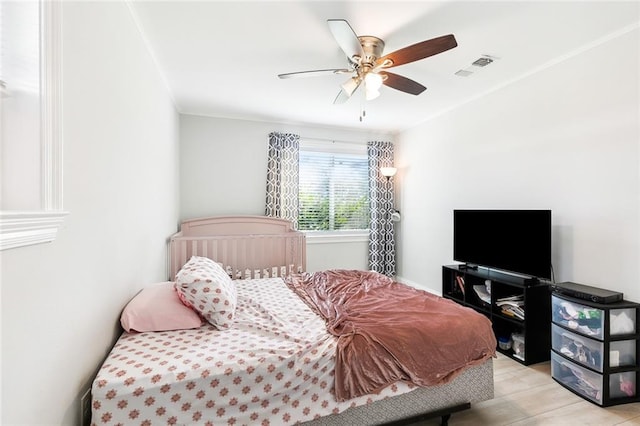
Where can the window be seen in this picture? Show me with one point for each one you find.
(30, 94)
(333, 187)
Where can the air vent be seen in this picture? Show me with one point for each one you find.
(476, 65)
(463, 73)
(482, 62)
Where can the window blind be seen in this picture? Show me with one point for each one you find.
(334, 191)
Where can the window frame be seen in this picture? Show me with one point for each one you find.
(335, 147)
(22, 228)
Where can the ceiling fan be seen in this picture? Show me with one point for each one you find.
(367, 65)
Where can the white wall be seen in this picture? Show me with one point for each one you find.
(337, 255)
(61, 301)
(223, 170)
(566, 138)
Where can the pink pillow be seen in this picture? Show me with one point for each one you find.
(158, 308)
(203, 285)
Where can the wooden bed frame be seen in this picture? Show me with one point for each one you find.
(260, 247)
(246, 246)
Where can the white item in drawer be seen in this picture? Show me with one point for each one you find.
(624, 351)
(614, 358)
(623, 321)
(518, 345)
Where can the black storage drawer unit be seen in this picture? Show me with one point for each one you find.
(595, 348)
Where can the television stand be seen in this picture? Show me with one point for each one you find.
(523, 334)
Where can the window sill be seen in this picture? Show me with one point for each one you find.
(19, 229)
(332, 237)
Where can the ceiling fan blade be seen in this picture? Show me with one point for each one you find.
(401, 83)
(341, 98)
(315, 73)
(346, 38)
(418, 51)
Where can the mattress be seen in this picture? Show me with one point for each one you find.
(275, 366)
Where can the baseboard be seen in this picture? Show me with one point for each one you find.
(417, 285)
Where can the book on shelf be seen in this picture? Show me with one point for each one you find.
(513, 311)
(518, 303)
(514, 297)
(511, 306)
(517, 300)
(460, 282)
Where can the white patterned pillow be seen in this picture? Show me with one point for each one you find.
(203, 285)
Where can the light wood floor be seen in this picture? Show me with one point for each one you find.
(529, 396)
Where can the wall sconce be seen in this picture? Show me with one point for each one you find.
(388, 172)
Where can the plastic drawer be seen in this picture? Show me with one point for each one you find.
(589, 384)
(582, 381)
(589, 321)
(622, 385)
(623, 321)
(585, 320)
(579, 348)
(589, 352)
(622, 353)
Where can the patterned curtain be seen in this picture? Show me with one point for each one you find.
(282, 177)
(382, 254)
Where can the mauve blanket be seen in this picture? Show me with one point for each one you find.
(388, 331)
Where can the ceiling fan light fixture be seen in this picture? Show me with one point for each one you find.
(373, 81)
(372, 84)
(350, 86)
(371, 94)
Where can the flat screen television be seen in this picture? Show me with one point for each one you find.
(516, 241)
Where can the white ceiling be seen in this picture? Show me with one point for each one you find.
(222, 58)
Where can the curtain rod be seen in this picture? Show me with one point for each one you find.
(333, 140)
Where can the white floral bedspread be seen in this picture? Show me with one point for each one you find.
(274, 367)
